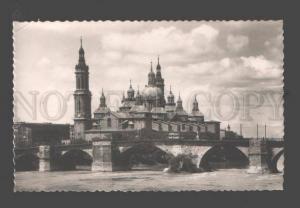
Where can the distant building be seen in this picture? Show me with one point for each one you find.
(30, 134)
(147, 109)
(228, 134)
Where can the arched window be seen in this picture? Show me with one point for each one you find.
(109, 122)
(79, 107)
(178, 127)
(183, 126)
(77, 82)
(83, 82)
(87, 81)
(76, 106)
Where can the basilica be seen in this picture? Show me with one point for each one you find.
(147, 109)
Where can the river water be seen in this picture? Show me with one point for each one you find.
(146, 180)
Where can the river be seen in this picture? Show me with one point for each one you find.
(146, 180)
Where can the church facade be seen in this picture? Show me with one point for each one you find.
(149, 109)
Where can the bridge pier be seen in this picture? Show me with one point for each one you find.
(45, 160)
(258, 156)
(102, 156)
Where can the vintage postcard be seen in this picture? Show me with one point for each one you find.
(148, 106)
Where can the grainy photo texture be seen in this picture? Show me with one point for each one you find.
(148, 106)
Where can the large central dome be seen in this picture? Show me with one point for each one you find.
(151, 93)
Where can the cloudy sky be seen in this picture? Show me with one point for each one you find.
(235, 68)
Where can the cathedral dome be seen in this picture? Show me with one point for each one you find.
(151, 93)
(130, 89)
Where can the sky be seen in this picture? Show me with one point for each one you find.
(234, 68)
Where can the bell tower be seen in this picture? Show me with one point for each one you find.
(82, 97)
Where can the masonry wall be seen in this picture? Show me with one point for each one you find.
(114, 123)
(211, 127)
(95, 134)
(40, 133)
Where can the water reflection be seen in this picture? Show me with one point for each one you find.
(224, 179)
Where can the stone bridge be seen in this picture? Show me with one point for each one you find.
(112, 154)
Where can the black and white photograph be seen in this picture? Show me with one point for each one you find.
(148, 106)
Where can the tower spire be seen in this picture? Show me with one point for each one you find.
(151, 76)
(195, 105)
(81, 53)
(130, 91)
(123, 97)
(179, 106)
(160, 83)
(138, 99)
(102, 100)
(158, 68)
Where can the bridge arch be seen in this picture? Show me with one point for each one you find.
(142, 156)
(26, 162)
(224, 156)
(277, 162)
(75, 159)
(88, 151)
(194, 152)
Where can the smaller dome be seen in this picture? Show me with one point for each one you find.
(130, 89)
(151, 93)
(171, 95)
(196, 114)
(151, 74)
(138, 95)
